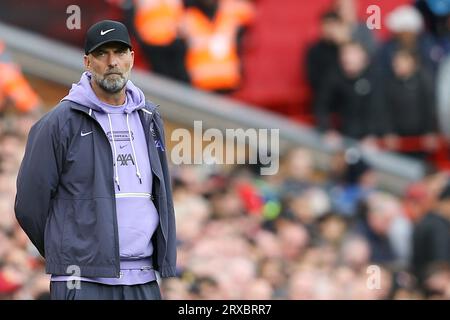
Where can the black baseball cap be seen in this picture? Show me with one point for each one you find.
(106, 31)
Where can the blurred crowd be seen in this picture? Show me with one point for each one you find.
(22, 272)
(302, 233)
(381, 93)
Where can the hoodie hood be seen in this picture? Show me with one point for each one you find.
(83, 94)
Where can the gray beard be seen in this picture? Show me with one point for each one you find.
(111, 84)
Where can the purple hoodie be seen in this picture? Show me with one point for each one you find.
(137, 216)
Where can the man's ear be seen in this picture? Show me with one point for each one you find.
(87, 62)
(132, 58)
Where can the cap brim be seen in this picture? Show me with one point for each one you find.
(108, 41)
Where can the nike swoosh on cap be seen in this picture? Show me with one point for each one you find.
(106, 31)
(85, 133)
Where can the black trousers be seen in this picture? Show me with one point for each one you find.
(96, 291)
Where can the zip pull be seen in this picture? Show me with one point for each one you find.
(146, 268)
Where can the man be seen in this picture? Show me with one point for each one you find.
(213, 30)
(155, 24)
(15, 91)
(93, 190)
(323, 56)
(431, 238)
(351, 93)
(409, 106)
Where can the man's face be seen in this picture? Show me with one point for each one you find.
(110, 65)
(353, 59)
(328, 29)
(404, 65)
(335, 31)
(444, 207)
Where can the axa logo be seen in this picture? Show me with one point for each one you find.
(122, 159)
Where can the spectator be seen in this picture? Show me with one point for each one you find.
(156, 23)
(15, 91)
(358, 181)
(206, 288)
(294, 239)
(306, 208)
(351, 92)
(322, 56)
(374, 224)
(299, 171)
(212, 30)
(355, 253)
(431, 237)
(10, 140)
(417, 201)
(435, 14)
(192, 212)
(8, 286)
(302, 285)
(437, 281)
(407, 26)
(410, 105)
(37, 288)
(332, 228)
(176, 289)
(273, 270)
(259, 289)
(348, 12)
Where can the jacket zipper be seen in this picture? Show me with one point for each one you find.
(160, 221)
(150, 116)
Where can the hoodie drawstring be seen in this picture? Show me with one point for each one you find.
(116, 178)
(138, 173)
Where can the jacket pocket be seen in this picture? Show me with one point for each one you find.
(88, 237)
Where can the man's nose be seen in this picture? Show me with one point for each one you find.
(112, 60)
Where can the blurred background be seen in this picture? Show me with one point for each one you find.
(360, 91)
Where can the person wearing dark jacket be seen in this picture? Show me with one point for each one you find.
(93, 190)
(431, 238)
(154, 25)
(409, 102)
(350, 93)
(322, 56)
